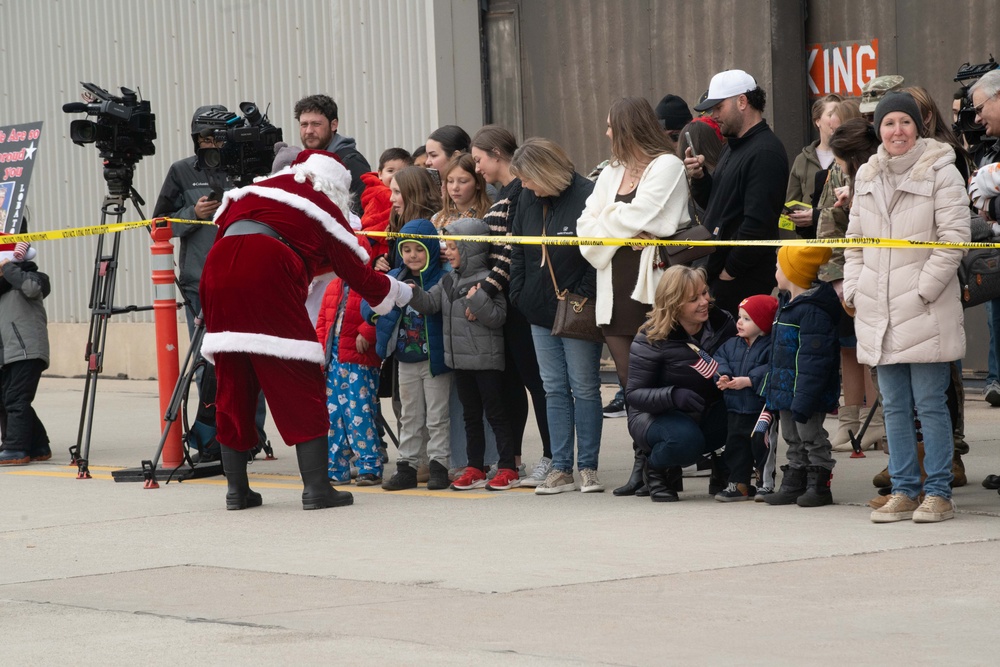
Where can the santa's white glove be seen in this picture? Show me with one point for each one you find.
(985, 185)
(404, 294)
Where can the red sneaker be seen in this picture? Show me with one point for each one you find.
(472, 478)
(503, 480)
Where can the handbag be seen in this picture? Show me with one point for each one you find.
(678, 255)
(979, 271)
(576, 316)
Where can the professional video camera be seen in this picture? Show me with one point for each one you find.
(966, 124)
(123, 132)
(247, 143)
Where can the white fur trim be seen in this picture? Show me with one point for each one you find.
(255, 343)
(384, 306)
(330, 224)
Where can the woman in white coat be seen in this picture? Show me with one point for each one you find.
(909, 313)
(641, 194)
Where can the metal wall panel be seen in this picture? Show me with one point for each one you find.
(372, 56)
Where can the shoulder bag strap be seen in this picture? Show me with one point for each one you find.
(545, 254)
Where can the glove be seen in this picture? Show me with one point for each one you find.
(799, 417)
(403, 293)
(687, 400)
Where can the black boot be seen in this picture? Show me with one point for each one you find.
(817, 488)
(719, 478)
(793, 485)
(405, 478)
(239, 496)
(438, 477)
(313, 457)
(635, 485)
(662, 484)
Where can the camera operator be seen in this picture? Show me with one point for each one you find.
(317, 117)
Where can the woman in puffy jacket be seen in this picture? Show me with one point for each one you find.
(909, 312)
(676, 411)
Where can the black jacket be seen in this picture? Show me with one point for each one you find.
(347, 150)
(743, 199)
(531, 289)
(654, 369)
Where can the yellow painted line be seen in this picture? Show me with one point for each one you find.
(50, 473)
(297, 485)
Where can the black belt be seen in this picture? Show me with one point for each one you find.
(247, 227)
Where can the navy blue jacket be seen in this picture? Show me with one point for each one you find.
(804, 374)
(737, 359)
(387, 325)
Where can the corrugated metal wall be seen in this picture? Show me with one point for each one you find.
(372, 56)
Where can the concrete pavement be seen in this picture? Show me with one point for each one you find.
(98, 572)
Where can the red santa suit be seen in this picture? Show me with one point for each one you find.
(254, 288)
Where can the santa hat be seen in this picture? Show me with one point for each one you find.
(16, 252)
(326, 173)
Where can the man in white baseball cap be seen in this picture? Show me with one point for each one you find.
(744, 196)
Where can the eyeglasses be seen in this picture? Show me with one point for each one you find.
(979, 108)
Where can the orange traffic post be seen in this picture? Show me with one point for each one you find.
(167, 355)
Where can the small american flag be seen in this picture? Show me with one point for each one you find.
(706, 366)
(762, 429)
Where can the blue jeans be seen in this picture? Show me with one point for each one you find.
(675, 439)
(993, 320)
(571, 376)
(921, 386)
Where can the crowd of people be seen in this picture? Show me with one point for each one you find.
(718, 355)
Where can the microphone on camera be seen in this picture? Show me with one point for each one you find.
(74, 107)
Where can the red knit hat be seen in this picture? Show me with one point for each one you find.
(761, 309)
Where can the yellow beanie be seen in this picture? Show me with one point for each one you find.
(800, 265)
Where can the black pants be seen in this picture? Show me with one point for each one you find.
(522, 373)
(738, 455)
(729, 293)
(23, 430)
(482, 391)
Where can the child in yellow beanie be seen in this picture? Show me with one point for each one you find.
(803, 382)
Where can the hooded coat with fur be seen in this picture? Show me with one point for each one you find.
(907, 300)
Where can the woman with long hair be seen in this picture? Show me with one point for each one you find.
(641, 194)
(676, 412)
(814, 158)
(493, 149)
(553, 198)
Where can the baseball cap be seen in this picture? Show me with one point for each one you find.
(726, 84)
(873, 91)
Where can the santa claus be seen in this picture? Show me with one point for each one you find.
(274, 237)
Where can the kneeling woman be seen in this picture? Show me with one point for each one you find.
(676, 412)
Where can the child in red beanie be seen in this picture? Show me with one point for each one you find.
(803, 383)
(743, 363)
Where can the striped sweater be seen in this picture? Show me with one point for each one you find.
(499, 219)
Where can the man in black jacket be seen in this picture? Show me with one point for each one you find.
(318, 122)
(745, 194)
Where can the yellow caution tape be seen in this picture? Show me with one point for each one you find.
(93, 230)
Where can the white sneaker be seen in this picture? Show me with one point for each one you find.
(589, 482)
(557, 481)
(538, 473)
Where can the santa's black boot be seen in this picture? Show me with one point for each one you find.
(313, 457)
(239, 496)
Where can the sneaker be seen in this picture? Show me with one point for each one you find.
(404, 478)
(538, 473)
(616, 408)
(556, 481)
(733, 493)
(934, 509)
(472, 478)
(521, 472)
(899, 507)
(438, 479)
(503, 480)
(992, 394)
(762, 493)
(341, 481)
(589, 482)
(43, 453)
(368, 479)
(14, 458)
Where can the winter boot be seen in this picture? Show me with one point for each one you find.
(849, 419)
(793, 485)
(635, 482)
(958, 477)
(437, 478)
(663, 484)
(875, 433)
(817, 488)
(239, 496)
(314, 457)
(404, 478)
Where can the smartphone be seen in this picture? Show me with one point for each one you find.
(214, 196)
(436, 175)
(687, 137)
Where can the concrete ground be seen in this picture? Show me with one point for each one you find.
(96, 572)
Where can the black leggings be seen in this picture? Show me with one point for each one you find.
(521, 373)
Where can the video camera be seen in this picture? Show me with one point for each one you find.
(247, 143)
(966, 124)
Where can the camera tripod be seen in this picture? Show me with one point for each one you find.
(101, 304)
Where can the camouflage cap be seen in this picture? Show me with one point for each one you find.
(873, 91)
